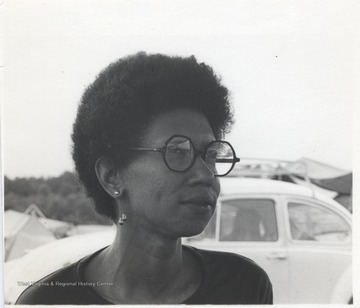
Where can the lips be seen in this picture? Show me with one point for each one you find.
(201, 200)
(201, 203)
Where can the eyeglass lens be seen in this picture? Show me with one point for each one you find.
(220, 155)
(180, 155)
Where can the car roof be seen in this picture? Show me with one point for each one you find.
(238, 186)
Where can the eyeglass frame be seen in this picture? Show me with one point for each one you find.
(196, 153)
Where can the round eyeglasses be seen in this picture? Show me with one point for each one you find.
(179, 154)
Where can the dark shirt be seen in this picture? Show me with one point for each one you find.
(228, 278)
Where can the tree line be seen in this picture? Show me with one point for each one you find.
(60, 198)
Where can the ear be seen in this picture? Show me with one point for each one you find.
(108, 176)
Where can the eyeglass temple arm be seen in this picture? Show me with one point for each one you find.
(227, 160)
(148, 149)
(219, 160)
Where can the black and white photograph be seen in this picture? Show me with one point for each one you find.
(180, 152)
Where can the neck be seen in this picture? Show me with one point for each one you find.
(142, 268)
(146, 257)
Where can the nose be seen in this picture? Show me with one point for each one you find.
(201, 173)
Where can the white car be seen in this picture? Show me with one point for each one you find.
(302, 239)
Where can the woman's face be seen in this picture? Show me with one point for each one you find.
(165, 202)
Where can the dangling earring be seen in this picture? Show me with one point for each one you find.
(122, 219)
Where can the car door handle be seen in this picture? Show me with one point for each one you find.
(276, 256)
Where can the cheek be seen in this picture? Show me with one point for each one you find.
(150, 182)
(155, 189)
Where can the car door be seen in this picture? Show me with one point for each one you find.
(252, 226)
(319, 249)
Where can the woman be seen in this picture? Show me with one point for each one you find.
(147, 149)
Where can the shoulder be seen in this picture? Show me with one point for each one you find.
(234, 279)
(219, 260)
(50, 289)
(63, 287)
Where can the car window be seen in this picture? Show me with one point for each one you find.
(248, 220)
(313, 223)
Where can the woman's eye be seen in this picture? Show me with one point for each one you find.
(182, 151)
(211, 154)
(179, 151)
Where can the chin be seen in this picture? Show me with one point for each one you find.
(193, 229)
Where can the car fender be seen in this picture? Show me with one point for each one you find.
(342, 292)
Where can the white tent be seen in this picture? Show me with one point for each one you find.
(28, 230)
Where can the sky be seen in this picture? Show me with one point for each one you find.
(290, 67)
